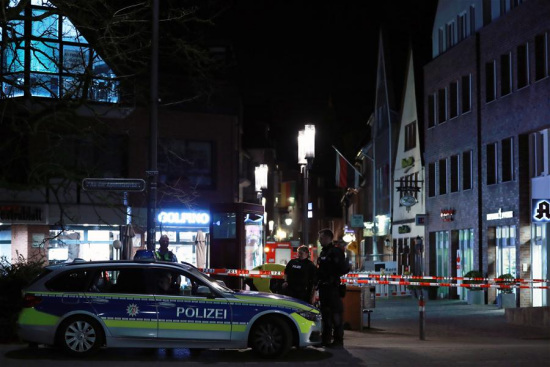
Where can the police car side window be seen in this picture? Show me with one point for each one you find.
(72, 280)
(127, 280)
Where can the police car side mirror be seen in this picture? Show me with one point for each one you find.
(204, 291)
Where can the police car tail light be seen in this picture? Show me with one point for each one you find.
(30, 300)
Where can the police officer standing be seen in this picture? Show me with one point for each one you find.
(331, 265)
(300, 276)
(163, 253)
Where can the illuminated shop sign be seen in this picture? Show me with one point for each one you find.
(183, 217)
(541, 210)
(500, 215)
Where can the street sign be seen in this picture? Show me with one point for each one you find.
(113, 184)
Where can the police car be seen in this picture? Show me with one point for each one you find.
(84, 306)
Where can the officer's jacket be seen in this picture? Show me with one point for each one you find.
(331, 264)
(300, 274)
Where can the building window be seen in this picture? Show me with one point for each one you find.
(502, 7)
(508, 159)
(466, 93)
(410, 136)
(541, 56)
(431, 177)
(450, 28)
(505, 74)
(186, 164)
(431, 110)
(472, 19)
(523, 66)
(453, 100)
(462, 26)
(490, 81)
(441, 39)
(539, 155)
(442, 176)
(467, 170)
(454, 173)
(442, 105)
(492, 165)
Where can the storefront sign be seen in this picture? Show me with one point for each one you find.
(200, 218)
(22, 214)
(500, 215)
(541, 210)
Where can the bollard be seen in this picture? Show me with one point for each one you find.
(421, 309)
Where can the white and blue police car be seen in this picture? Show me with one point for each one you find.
(84, 306)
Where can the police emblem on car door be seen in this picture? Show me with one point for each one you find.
(122, 300)
(189, 309)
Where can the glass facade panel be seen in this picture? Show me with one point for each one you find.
(44, 57)
(46, 50)
(45, 26)
(44, 85)
(12, 85)
(75, 59)
(13, 57)
(70, 33)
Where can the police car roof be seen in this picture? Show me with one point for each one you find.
(119, 262)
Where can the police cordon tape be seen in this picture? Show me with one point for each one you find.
(368, 278)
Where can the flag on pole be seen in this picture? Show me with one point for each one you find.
(346, 174)
(288, 193)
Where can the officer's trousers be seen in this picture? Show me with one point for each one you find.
(332, 309)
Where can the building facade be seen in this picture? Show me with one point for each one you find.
(486, 133)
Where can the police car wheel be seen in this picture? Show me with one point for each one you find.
(270, 338)
(80, 336)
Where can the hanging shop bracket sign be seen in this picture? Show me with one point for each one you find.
(113, 184)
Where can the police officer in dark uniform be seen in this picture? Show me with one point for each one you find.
(331, 264)
(300, 276)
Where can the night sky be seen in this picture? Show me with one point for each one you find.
(293, 56)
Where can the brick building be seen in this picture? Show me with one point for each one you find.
(486, 134)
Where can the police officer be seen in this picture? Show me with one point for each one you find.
(300, 276)
(331, 265)
(163, 253)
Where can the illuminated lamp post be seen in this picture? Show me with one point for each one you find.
(306, 154)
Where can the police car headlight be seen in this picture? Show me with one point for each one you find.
(308, 315)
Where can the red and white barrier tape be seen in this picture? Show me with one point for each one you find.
(384, 278)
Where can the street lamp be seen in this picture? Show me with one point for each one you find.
(260, 175)
(306, 154)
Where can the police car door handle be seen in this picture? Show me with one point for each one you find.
(166, 304)
(99, 300)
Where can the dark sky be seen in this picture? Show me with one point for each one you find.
(294, 55)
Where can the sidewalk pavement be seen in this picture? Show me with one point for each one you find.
(456, 334)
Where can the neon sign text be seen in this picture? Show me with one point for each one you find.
(184, 218)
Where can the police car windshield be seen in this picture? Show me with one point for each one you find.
(219, 286)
